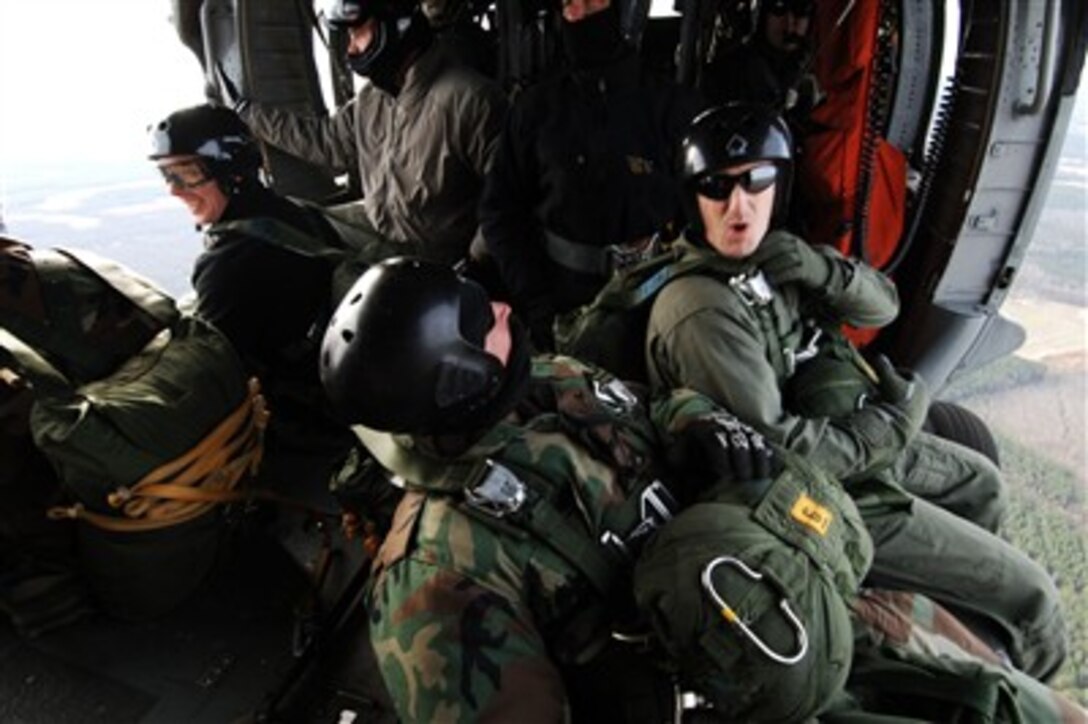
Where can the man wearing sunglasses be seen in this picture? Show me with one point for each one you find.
(738, 330)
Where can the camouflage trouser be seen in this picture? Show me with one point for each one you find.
(915, 662)
(458, 612)
(954, 477)
(920, 547)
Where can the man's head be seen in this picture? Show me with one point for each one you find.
(575, 11)
(206, 154)
(382, 34)
(737, 164)
(590, 32)
(414, 348)
(786, 24)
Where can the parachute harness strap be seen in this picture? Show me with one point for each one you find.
(732, 617)
(184, 488)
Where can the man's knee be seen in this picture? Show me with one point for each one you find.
(1041, 645)
(991, 492)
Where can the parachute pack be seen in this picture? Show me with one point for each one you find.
(610, 331)
(145, 414)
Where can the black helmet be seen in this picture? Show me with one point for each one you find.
(214, 134)
(735, 134)
(401, 25)
(404, 351)
(342, 14)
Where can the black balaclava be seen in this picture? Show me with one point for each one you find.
(396, 41)
(594, 40)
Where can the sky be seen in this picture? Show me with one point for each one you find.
(84, 78)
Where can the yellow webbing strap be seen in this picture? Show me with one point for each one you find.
(191, 484)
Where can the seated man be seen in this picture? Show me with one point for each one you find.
(585, 174)
(531, 485)
(421, 131)
(262, 279)
(735, 334)
(769, 59)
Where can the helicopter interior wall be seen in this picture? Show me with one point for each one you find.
(996, 154)
(264, 48)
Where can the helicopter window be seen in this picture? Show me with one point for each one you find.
(663, 9)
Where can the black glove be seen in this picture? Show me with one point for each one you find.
(231, 96)
(720, 448)
(787, 259)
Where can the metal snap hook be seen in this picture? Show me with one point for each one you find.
(732, 617)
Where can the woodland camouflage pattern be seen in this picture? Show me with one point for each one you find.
(473, 618)
(67, 313)
(466, 620)
(905, 640)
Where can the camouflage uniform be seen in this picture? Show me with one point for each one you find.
(914, 661)
(82, 326)
(705, 335)
(478, 618)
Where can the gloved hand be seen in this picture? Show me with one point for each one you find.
(720, 448)
(787, 259)
(906, 394)
(232, 98)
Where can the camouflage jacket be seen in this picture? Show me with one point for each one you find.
(579, 453)
(470, 608)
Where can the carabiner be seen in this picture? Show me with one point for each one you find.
(731, 616)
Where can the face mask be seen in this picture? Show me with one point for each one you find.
(363, 63)
(593, 41)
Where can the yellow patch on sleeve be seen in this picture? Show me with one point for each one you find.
(811, 514)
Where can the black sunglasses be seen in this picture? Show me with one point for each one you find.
(798, 8)
(719, 186)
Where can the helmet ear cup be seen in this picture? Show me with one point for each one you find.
(405, 351)
(464, 379)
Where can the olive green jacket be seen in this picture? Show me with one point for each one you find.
(421, 154)
(704, 335)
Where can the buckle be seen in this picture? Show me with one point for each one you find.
(753, 289)
(622, 256)
(731, 616)
(499, 494)
(809, 349)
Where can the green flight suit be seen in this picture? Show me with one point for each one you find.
(706, 335)
(481, 617)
